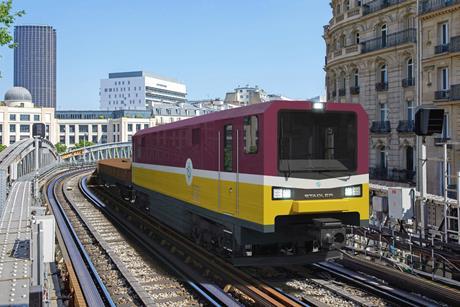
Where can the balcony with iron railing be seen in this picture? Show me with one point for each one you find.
(381, 127)
(407, 82)
(391, 40)
(381, 86)
(440, 141)
(394, 174)
(344, 52)
(452, 46)
(427, 6)
(377, 5)
(354, 90)
(406, 126)
(452, 94)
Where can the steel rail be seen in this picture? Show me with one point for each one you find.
(395, 295)
(212, 294)
(256, 290)
(93, 288)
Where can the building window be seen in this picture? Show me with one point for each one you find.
(251, 134)
(104, 139)
(444, 28)
(94, 139)
(383, 158)
(410, 69)
(146, 126)
(24, 128)
(12, 139)
(36, 118)
(410, 110)
(357, 38)
(94, 128)
(383, 74)
(383, 112)
(383, 35)
(62, 139)
(83, 128)
(71, 139)
(104, 128)
(138, 127)
(356, 77)
(24, 117)
(410, 158)
(72, 128)
(444, 74)
(12, 116)
(130, 127)
(62, 128)
(13, 128)
(445, 127)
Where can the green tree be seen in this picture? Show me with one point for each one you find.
(7, 18)
(6, 22)
(2, 147)
(82, 144)
(60, 148)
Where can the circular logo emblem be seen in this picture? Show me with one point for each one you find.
(189, 171)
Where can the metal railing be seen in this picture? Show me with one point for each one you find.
(381, 86)
(406, 126)
(408, 82)
(398, 175)
(381, 127)
(378, 5)
(427, 6)
(441, 48)
(354, 90)
(390, 40)
(453, 93)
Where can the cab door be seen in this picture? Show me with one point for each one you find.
(228, 177)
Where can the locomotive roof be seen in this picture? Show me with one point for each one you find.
(257, 108)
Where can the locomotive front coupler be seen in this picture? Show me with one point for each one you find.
(329, 233)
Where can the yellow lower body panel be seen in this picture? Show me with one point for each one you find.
(249, 202)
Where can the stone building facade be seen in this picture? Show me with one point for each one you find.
(371, 60)
(440, 83)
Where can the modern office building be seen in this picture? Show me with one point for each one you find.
(371, 60)
(35, 62)
(139, 90)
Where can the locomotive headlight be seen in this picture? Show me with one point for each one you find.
(318, 106)
(281, 193)
(353, 191)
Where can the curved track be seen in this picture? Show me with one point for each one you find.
(94, 290)
(207, 271)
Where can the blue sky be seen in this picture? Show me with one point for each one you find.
(210, 45)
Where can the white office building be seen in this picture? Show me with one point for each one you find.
(139, 90)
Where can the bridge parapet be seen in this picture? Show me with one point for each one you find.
(24, 158)
(99, 152)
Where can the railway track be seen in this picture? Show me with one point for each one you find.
(89, 288)
(226, 283)
(130, 278)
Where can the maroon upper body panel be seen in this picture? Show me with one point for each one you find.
(201, 139)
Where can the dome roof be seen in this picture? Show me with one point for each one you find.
(18, 93)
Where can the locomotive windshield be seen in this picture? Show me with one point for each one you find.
(316, 142)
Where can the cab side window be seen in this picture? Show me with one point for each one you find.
(251, 134)
(228, 148)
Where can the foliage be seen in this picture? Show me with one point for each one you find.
(82, 144)
(60, 148)
(2, 147)
(6, 22)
